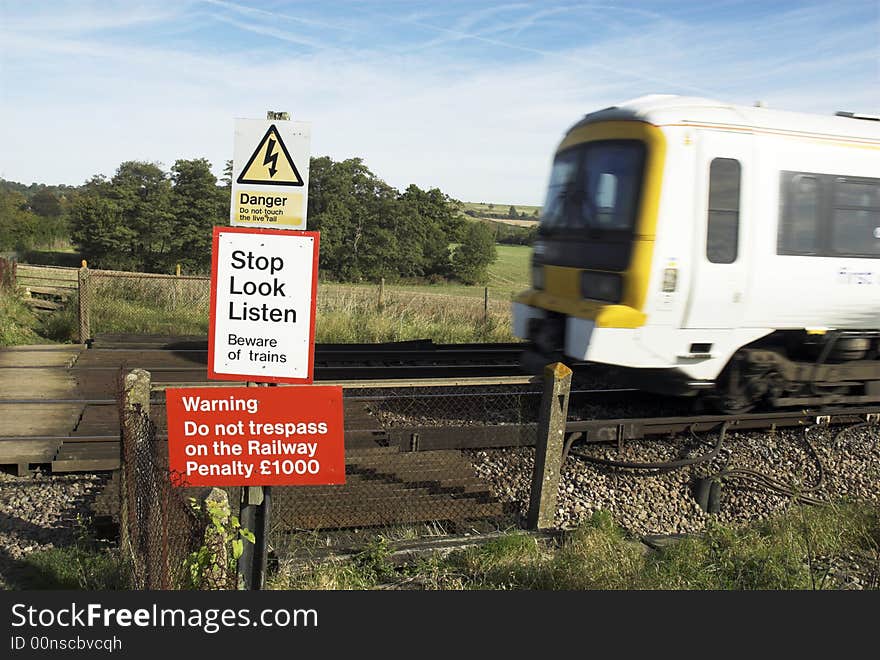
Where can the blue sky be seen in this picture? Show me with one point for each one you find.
(470, 97)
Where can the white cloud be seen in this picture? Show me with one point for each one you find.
(481, 130)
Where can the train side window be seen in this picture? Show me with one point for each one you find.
(855, 223)
(799, 226)
(722, 232)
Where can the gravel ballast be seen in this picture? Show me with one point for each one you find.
(662, 502)
(40, 512)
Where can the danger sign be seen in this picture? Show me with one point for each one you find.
(270, 176)
(263, 292)
(233, 436)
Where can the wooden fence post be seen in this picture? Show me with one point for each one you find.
(548, 449)
(380, 305)
(84, 291)
(485, 304)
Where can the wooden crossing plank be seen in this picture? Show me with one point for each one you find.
(85, 465)
(27, 451)
(39, 419)
(75, 456)
(60, 291)
(21, 356)
(144, 359)
(98, 419)
(39, 303)
(36, 383)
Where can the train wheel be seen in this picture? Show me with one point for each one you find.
(735, 393)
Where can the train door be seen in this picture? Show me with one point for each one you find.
(717, 295)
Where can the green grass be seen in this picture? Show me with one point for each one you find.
(791, 551)
(508, 276)
(347, 313)
(84, 565)
(483, 210)
(18, 323)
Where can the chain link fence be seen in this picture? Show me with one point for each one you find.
(408, 472)
(145, 303)
(171, 537)
(109, 301)
(408, 476)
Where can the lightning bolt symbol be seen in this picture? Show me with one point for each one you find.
(271, 159)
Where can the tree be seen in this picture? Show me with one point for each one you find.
(17, 223)
(197, 205)
(142, 196)
(147, 220)
(45, 203)
(357, 214)
(226, 179)
(430, 221)
(97, 227)
(511, 212)
(471, 259)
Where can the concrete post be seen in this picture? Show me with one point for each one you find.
(548, 449)
(135, 398)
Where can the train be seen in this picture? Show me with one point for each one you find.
(712, 249)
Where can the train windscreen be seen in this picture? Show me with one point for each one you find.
(594, 186)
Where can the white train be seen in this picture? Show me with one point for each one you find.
(701, 245)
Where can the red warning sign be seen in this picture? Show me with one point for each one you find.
(256, 436)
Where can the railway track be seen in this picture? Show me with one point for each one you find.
(413, 445)
(491, 406)
(333, 362)
(404, 405)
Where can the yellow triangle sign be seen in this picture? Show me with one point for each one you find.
(271, 163)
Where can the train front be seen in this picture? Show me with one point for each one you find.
(591, 260)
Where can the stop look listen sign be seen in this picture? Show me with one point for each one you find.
(263, 293)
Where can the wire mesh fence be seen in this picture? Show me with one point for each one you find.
(394, 488)
(437, 406)
(108, 301)
(406, 474)
(168, 533)
(147, 303)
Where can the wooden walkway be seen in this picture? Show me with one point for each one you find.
(58, 408)
(58, 402)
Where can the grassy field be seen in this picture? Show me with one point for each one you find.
(508, 276)
(446, 313)
(483, 209)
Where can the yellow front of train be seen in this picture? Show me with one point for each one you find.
(591, 261)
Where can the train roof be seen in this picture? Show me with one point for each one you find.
(666, 109)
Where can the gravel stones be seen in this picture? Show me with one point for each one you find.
(40, 512)
(662, 502)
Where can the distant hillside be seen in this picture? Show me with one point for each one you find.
(511, 224)
(519, 215)
(31, 189)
